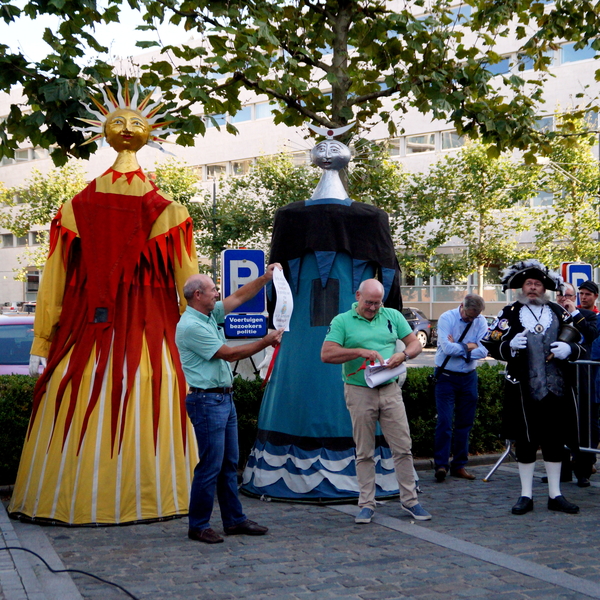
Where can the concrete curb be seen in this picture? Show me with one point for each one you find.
(23, 576)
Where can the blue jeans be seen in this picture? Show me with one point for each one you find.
(215, 424)
(455, 399)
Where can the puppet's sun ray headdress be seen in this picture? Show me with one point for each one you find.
(124, 100)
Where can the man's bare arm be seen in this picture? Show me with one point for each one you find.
(232, 354)
(332, 352)
(412, 348)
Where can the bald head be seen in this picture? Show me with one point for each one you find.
(371, 286)
(370, 298)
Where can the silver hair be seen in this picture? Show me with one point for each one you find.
(191, 286)
(565, 287)
(473, 302)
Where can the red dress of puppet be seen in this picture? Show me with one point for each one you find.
(109, 441)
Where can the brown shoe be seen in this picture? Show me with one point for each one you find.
(248, 527)
(208, 536)
(462, 473)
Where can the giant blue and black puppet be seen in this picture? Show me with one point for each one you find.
(327, 245)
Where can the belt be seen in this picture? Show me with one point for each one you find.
(456, 372)
(218, 390)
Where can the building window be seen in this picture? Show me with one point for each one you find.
(22, 155)
(499, 68)
(240, 167)
(263, 110)
(526, 63)
(301, 159)
(451, 140)
(215, 171)
(461, 13)
(36, 237)
(568, 53)
(33, 282)
(7, 240)
(214, 120)
(393, 147)
(544, 124)
(245, 114)
(543, 199)
(420, 143)
(39, 153)
(22, 240)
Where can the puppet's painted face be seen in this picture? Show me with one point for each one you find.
(330, 155)
(126, 129)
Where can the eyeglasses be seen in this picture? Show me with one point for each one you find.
(373, 304)
(566, 295)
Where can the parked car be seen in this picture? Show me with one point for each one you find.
(16, 336)
(420, 324)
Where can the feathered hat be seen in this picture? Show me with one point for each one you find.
(514, 277)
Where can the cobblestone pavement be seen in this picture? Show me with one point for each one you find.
(473, 548)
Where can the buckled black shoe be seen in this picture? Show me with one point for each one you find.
(523, 505)
(248, 527)
(561, 504)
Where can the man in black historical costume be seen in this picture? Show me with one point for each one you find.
(536, 338)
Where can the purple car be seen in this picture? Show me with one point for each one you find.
(16, 335)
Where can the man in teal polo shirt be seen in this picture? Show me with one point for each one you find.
(205, 359)
(368, 332)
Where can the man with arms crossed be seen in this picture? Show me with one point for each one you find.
(205, 360)
(456, 386)
(368, 333)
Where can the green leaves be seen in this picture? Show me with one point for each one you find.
(322, 62)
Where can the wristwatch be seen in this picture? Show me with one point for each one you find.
(406, 356)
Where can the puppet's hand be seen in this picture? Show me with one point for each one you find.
(34, 364)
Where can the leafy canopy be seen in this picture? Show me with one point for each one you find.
(469, 200)
(326, 61)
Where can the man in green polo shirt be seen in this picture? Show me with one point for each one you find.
(368, 333)
(205, 359)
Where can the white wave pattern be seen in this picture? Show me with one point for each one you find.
(305, 483)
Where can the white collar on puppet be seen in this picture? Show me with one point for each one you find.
(535, 318)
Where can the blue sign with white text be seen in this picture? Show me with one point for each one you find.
(239, 268)
(243, 326)
(577, 273)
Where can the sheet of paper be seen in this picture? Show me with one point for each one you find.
(285, 301)
(377, 374)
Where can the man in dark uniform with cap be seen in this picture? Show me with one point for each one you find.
(540, 408)
(588, 294)
(585, 321)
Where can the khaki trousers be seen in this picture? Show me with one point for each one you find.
(367, 406)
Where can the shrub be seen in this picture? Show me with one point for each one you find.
(420, 407)
(16, 395)
(248, 397)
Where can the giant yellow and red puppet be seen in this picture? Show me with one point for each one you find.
(109, 441)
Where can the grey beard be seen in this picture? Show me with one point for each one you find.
(543, 299)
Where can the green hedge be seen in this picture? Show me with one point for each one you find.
(16, 392)
(420, 407)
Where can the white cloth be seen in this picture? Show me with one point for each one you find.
(531, 315)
